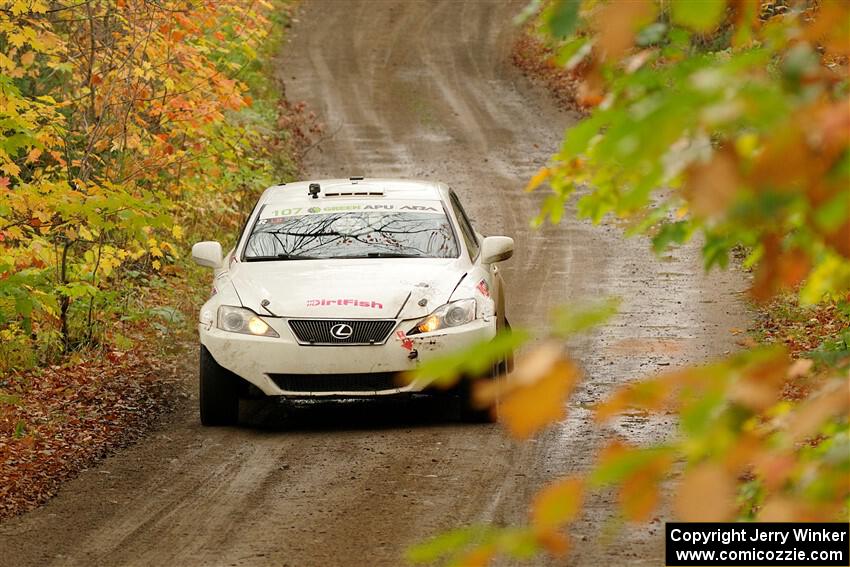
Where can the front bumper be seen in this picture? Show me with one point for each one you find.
(256, 358)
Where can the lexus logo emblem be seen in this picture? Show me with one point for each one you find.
(341, 331)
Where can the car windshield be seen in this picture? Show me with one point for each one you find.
(403, 231)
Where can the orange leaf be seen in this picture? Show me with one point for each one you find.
(534, 394)
(33, 155)
(742, 453)
(711, 187)
(639, 497)
(554, 542)
(831, 400)
(778, 269)
(617, 23)
(779, 509)
(528, 410)
(706, 494)
(478, 557)
(760, 385)
(558, 503)
(640, 491)
(648, 395)
(774, 469)
(591, 90)
(824, 31)
(800, 367)
(840, 239)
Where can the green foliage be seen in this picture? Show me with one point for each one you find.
(702, 16)
(568, 321)
(474, 361)
(563, 18)
(704, 118)
(740, 136)
(460, 547)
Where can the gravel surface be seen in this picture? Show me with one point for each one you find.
(417, 90)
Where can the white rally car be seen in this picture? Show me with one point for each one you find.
(336, 286)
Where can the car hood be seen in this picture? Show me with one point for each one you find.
(356, 289)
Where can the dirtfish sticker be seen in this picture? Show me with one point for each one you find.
(344, 303)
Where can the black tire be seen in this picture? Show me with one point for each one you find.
(219, 392)
(509, 360)
(468, 412)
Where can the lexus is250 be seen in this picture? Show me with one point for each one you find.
(335, 287)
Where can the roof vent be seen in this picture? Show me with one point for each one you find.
(314, 190)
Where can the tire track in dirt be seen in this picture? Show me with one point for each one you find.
(413, 89)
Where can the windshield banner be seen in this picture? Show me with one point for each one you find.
(389, 205)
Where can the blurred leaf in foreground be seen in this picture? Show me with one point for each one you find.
(535, 394)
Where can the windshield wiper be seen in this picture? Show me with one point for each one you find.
(380, 255)
(279, 257)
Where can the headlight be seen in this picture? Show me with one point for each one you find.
(448, 315)
(241, 320)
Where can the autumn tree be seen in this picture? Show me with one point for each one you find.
(122, 122)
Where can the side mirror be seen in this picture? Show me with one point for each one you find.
(207, 254)
(496, 248)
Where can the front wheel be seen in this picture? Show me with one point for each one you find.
(468, 411)
(219, 392)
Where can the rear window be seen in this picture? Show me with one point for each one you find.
(385, 229)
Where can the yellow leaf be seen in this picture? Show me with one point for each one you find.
(11, 168)
(558, 503)
(177, 231)
(156, 265)
(746, 145)
(16, 39)
(538, 178)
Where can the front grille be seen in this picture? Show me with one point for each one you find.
(369, 382)
(333, 331)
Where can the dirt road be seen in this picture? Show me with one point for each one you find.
(417, 90)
